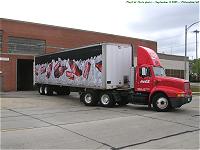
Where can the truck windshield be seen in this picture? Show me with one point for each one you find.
(159, 71)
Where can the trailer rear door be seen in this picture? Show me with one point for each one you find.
(118, 65)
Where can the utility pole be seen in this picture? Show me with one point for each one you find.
(196, 32)
(186, 30)
(185, 71)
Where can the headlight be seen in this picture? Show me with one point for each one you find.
(180, 94)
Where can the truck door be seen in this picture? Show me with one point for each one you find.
(143, 79)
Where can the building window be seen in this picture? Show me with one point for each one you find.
(25, 45)
(175, 73)
(1, 41)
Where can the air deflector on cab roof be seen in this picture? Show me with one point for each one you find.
(147, 56)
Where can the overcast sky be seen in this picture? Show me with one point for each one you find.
(163, 23)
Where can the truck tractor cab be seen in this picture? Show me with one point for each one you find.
(150, 78)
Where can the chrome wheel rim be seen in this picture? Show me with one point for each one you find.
(45, 90)
(105, 99)
(40, 89)
(162, 103)
(88, 98)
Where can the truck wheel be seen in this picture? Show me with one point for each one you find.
(48, 90)
(41, 90)
(89, 99)
(161, 103)
(123, 101)
(107, 100)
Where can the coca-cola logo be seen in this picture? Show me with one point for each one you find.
(144, 81)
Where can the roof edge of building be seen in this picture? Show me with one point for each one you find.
(172, 57)
(55, 26)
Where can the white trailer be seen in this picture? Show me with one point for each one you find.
(100, 67)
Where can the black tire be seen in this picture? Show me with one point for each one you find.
(89, 98)
(41, 89)
(48, 90)
(107, 100)
(123, 101)
(59, 92)
(161, 103)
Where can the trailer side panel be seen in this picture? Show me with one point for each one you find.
(76, 68)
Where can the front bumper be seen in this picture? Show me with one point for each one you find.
(179, 101)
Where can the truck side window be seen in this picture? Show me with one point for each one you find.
(144, 72)
(148, 72)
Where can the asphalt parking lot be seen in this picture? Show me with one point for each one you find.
(32, 121)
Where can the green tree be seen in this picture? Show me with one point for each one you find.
(196, 66)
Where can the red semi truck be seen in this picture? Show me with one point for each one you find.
(105, 74)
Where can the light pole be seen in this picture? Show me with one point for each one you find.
(196, 32)
(186, 30)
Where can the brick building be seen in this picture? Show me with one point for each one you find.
(21, 41)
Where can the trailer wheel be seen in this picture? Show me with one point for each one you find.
(107, 100)
(59, 92)
(161, 103)
(41, 90)
(48, 90)
(89, 98)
